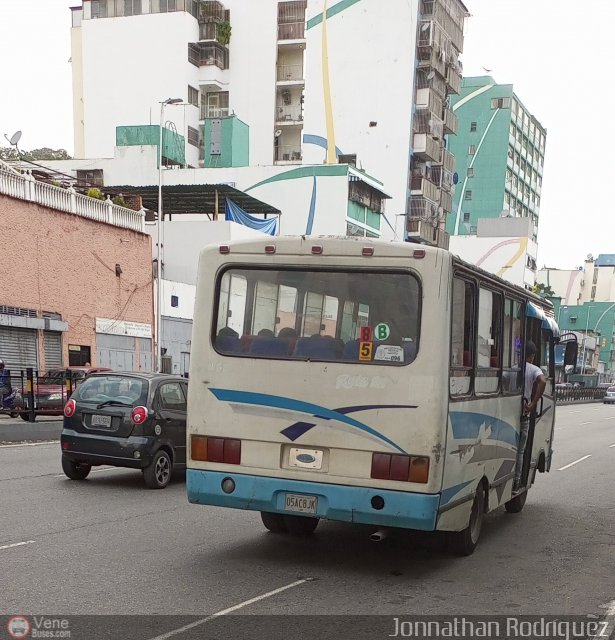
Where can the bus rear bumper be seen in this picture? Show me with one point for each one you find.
(335, 502)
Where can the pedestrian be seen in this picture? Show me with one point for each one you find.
(5, 381)
(533, 389)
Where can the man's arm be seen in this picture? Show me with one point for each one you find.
(539, 388)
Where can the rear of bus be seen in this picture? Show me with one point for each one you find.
(319, 378)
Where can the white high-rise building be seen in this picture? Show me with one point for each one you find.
(269, 82)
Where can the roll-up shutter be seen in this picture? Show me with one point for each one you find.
(18, 348)
(53, 350)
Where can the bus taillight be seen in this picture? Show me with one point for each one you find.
(208, 449)
(386, 466)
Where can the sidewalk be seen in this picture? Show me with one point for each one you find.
(17, 430)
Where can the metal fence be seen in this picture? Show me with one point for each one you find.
(32, 394)
(579, 394)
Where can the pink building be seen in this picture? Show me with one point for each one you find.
(76, 284)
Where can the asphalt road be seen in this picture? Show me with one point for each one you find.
(110, 546)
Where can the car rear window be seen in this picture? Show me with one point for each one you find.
(125, 389)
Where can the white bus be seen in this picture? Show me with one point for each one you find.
(362, 381)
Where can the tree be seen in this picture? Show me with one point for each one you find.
(544, 291)
(45, 153)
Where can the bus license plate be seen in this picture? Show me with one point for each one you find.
(101, 421)
(300, 504)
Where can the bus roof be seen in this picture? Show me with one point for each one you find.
(352, 246)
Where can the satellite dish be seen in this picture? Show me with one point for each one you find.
(425, 26)
(15, 138)
(278, 133)
(431, 75)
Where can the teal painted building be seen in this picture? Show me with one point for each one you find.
(499, 150)
(595, 320)
(173, 145)
(226, 142)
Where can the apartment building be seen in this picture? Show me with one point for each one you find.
(281, 84)
(500, 151)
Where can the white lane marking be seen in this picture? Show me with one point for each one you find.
(62, 475)
(28, 444)
(225, 612)
(609, 418)
(611, 446)
(582, 423)
(16, 544)
(575, 462)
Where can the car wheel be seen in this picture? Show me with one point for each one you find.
(301, 525)
(158, 474)
(75, 470)
(516, 504)
(274, 522)
(13, 414)
(26, 417)
(463, 543)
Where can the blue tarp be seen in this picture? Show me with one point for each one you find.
(238, 215)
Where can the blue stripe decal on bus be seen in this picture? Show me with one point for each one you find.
(451, 492)
(467, 425)
(280, 402)
(299, 428)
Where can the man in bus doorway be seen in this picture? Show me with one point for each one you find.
(533, 389)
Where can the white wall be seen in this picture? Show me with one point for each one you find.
(504, 257)
(186, 294)
(566, 284)
(371, 59)
(130, 65)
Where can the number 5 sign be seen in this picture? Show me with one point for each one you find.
(365, 350)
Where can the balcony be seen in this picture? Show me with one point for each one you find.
(446, 201)
(425, 232)
(288, 74)
(447, 160)
(287, 154)
(426, 148)
(428, 99)
(442, 178)
(203, 54)
(451, 122)
(435, 82)
(291, 20)
(212, 11)
(428, 123)
(453, 79)
(449, 15)
(289, 114)
(432, 57)
(421, 186)
(420, 207)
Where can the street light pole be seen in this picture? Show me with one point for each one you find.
(160, 240)
(585, 340)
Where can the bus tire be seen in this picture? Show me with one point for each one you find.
(463, 543)
(274, 522)
(300, 525)
(516, 504)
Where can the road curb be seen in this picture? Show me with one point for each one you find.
(30, 431)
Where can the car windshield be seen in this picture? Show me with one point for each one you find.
(111, 389)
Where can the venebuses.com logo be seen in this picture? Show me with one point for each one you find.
(37, 627)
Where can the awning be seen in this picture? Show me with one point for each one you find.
(548, 323)
(207, 199)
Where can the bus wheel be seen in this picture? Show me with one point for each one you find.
(463, 543)
(301, 525)
(274, 522)
(516, 504)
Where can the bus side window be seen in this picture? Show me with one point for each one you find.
(511, 375)
(462, 338)
(489, 342)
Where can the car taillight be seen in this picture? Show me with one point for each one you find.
(207, 449)
(69, 408)
(387, 466)
(138, 415)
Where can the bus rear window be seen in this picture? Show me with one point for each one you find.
(325, 316)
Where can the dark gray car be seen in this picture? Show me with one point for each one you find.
(134, 420)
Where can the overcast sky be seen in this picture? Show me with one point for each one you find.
(559, 54)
